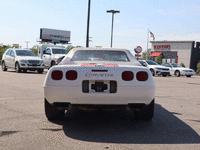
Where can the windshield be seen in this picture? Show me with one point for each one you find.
(100, 55)
(150, 62)
(176, 65)
(25, 53)
(60, 51)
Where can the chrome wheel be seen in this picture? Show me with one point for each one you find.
(17, 68)
(177, 73)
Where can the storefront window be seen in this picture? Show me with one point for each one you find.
(173, 60)
(164, 61)
(168, 60)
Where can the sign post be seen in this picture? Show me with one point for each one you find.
(138, 50)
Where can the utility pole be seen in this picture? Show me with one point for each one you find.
(27, 44)
(88, 24)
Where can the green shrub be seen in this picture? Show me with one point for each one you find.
(159, 59)
(198, 69)
(182, 64)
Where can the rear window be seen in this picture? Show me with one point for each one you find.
(100, 55)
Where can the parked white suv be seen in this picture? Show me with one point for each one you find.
(155, 68)
(21, 59)
(178, 70)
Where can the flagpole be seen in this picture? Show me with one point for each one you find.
(147, 43)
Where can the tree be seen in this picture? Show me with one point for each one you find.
(146, 53)
(159, 59)
(35, 49)
(182, 64)
(3, 49)
(79, 46)
(69, 47)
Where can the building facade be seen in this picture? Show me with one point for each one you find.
(186, 52)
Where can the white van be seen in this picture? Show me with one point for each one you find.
(50, 54)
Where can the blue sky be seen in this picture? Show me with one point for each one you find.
(21, 20)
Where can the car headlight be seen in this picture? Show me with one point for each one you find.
(23, 61)
(185, 70)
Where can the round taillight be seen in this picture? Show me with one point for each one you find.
(127, 75)
(142, 76)
(71, 75)
(56, 75)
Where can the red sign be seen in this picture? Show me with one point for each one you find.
(162, 47)
(138, 49)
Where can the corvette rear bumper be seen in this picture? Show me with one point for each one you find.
(123, 96)
(95, 107)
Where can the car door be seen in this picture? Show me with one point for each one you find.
(172, 70)
(6, 58)
(12, 59)
(47, 57)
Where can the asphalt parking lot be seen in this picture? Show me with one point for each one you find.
(23, 125)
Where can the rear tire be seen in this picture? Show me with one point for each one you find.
(145, 113)
(177, 73)
(164, 75)
(52, 113)
(188, 76)
(40, 70)
(3, 66)
(17, 68)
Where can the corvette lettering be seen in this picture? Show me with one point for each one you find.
(99, 75)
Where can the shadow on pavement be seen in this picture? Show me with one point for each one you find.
(120, 127)
(4, 133)
(28, 72)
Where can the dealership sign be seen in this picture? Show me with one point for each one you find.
(162, 47)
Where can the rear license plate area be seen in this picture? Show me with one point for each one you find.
(99, 86)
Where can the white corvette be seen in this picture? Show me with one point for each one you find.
(99, 78)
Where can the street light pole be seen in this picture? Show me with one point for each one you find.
(113, 12)
(88, 24)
